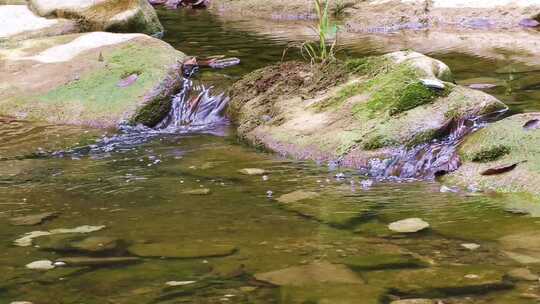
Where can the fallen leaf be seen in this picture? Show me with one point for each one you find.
(532, 124)
(126, 82)
(500, 169)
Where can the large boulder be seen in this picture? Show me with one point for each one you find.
(127, 16)
(17, 22)
(96, 79)
(509, 149)
(367, 108)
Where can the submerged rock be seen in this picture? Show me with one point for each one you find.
(98, 261)
(322, 272)
(106, 15)
(367, 109)
(201, 191)
(410, 225)
(41, 265)
(507, 148)
(185, 251)
(28, 238)
(524, 247)
(297, 196)
(384, 262)
(77, 242)
(522, 274)
(74, 79)
(437, 282)
(31, 220)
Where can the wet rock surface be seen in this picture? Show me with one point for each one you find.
(369, 113)
(508, 149)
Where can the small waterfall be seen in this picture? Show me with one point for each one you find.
(194, 108)
(428, 160)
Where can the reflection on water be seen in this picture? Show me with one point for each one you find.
(186, 226)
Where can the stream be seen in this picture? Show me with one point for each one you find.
(187, 224)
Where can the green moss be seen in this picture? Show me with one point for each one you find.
(489, 154)
(341, 96)
(370, 66)
(377, 142)
(414, 95)
(424, 137)
(396, 91)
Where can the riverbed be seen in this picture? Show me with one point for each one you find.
(193, 227)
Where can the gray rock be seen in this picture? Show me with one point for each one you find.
(410, 225)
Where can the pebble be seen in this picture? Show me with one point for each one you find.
(252, 171)
(21, 302)
(179, 283)
(41, 265)
(409, 225)
(472, 276)
(470, 246)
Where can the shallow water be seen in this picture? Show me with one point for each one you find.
(144, 195)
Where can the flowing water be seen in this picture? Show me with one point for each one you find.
(203, 231)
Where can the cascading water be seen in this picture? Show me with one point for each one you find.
(426, 161)
(193, 109)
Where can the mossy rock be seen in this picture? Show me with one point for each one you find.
(502, 143)
(125, 16)
(74, 79)
(353, 111)
(20, 23)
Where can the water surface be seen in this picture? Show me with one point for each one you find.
(186, 192)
